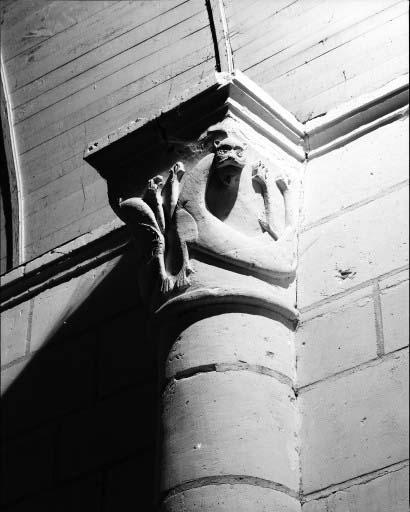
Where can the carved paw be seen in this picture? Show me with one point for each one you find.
(155, 183)
(266, 227)
(259, 172)
(178, 169)
(182, 280)
(166, 284)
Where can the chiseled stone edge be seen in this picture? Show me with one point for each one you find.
(360, 116)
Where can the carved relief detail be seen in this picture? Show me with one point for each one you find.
(224, 206)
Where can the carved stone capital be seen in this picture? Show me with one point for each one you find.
(210, 190)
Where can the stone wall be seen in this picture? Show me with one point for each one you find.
(352, 360)
(79, 394)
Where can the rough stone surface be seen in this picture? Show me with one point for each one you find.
(109, 431)
(27, 464)
(52, 382)
(11, 374)
(340, 337)
(230, 423)
(395, 311)
(231, 498)
(126, 356)
(356, 246)
(383, 494)
(346, 177)
(51, 310)
(14, 332)
(237, 338)
(130, 485)
(355, 424)
(85, 494)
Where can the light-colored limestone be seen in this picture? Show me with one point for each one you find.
(356, 171)
(14, 332)
(355, 424)
(395, 311)
(315, 506)
(231, 498)
(231, 423)
(237, 338)
(351, 249)
(51, 309)
(387, 493)
(340, 338)
(11, 374)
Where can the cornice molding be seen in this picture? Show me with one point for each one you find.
(356, 118)
(227, 92)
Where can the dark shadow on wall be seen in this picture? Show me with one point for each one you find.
(79, 420)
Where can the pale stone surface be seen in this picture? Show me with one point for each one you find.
(231, 423)
(10, 374)
(237, 338)
(315, 506)
(355, 424)
(390, 492)
(341, 337)
(356, 246)
(387, 493)
(395, 311)
(231, 498)
(14, 332)
(356, 171)
(51, 309)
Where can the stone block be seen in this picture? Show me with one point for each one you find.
(231, 498)
(75, 496)
(234, 338)
(131, 485)
(353, 248)
(11, 374)
(55, 380)
(14, 332)
(52, 309)
(395, 312)
(315, 506)
(342, 335)
(389, 492)
(126, 356)
(386, 493)
(344, 177)
(229, 423)
(83, 301)
(113, 429)
(27, 465)
(355, 424)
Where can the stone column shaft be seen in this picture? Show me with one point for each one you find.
(229, 440)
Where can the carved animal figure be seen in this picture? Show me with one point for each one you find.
(214, 208)
(203, 224)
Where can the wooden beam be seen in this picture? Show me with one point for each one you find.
(11, 180)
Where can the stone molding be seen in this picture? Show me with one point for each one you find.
(313, 139)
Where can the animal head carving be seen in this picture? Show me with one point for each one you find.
(229, 152)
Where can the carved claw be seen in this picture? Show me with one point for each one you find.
(155, 183)
(182, 281)
(259, 172)
(266, 227)
(178, 169)
(166, 284)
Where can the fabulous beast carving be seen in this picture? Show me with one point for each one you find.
(224, 207)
